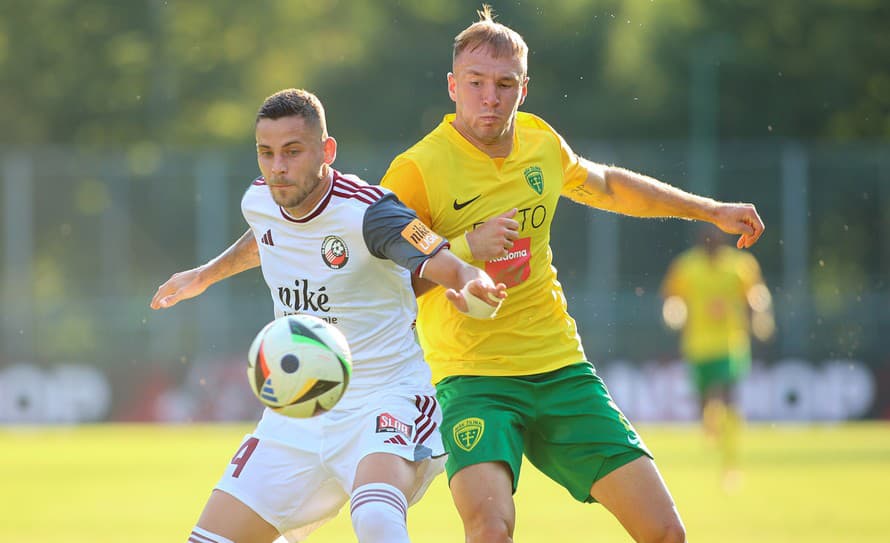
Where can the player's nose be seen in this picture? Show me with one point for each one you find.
(279, 165)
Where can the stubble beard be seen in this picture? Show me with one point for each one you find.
(299, 196)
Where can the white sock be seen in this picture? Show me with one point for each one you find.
(200, 535)
(378, 514)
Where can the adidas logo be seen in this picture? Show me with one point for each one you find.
(397, 440)
(267, 238)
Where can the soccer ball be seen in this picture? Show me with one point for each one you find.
(299, 366)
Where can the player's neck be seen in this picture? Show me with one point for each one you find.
(499, 148)
(312, 200)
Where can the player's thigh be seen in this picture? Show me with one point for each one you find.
(638, 497)
(396, 441)
(388, 468)
(483, 494)
(580, 435)
(285, 485)
(484, 420)
(228, 517)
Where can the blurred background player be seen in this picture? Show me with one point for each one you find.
(489, 179)
(716, 295)
(379, 447)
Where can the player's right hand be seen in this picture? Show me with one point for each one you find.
(479, 298)
(181, 286)
(742, 220)
(494, 238)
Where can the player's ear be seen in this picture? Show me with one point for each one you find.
(524, 92)
(330, 150)
(452, 87)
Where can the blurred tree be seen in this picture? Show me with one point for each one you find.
(96, 72)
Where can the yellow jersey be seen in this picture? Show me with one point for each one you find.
(455, 187)
(715, 291)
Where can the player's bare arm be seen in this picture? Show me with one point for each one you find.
(495, 237)
(240, 256)
(421, 286)
(459, 278)
(623, 191)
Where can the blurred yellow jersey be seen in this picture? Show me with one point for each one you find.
(455, 187)
(715, 291)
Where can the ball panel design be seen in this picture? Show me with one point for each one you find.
(299, 366)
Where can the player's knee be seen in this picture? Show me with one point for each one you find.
(378, 514)
(670, 532)
(489, 530)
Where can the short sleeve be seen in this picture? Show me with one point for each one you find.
(394, 232)
(405, 179)
(573, 169)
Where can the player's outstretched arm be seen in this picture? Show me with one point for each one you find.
(240, 256)
(462, 281)
(630, 193)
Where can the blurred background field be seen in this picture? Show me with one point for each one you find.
(128, 142)
(146, 483)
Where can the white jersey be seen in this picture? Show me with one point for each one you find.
(347, 262)
(337, 263)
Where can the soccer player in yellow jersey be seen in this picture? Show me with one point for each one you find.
(488, 178)
(716, 295)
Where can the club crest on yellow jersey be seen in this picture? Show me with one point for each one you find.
(534, 175)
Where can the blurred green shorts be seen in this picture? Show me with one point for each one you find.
(719, 372)
(564, 422)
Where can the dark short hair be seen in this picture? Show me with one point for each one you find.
(294, 102)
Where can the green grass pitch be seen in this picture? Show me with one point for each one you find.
(111, 483)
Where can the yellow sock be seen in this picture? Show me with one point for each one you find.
(730, 437)
(713, 415)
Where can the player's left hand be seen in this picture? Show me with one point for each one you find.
(739, 219)
(181, 286)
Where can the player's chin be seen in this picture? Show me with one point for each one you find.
(490, 134)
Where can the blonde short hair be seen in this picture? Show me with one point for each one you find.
(500, 39)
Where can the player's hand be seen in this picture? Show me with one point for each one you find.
(480, 298)
(740, 219)
(495, 237)
(181, 286)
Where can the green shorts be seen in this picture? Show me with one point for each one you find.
(725, 371)
(564, 422)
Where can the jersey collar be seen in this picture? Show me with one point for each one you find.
(319, 207)
(465, 144)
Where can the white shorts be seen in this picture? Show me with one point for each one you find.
(297, 473)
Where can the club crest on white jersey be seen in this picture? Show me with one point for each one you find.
(334, 252)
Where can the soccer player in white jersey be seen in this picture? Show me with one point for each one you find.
(333, 246)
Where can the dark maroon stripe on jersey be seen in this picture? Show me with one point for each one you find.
(318, 209)
(348, 184)
(354, 195)
(364, 191)
(259, 181)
